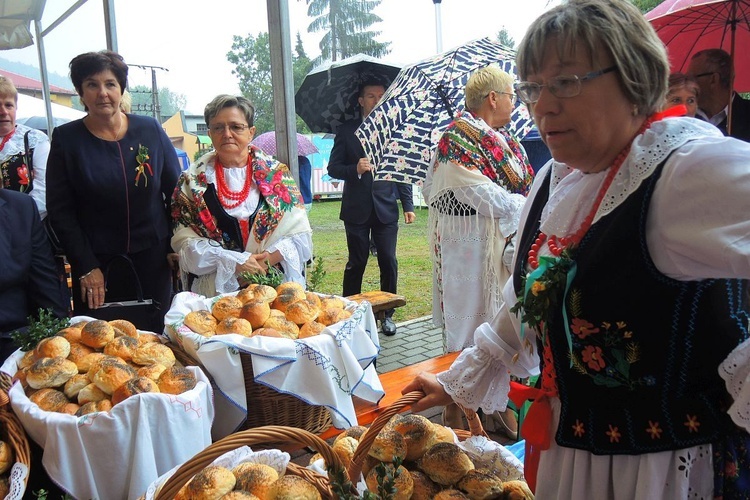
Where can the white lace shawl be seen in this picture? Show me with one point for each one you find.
(697, 228)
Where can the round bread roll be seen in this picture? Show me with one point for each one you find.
(77, 354)
(246, 294)
(176, 380)
(124, 327)
(450, 494)
(6, 457)
(313, 298)
(79, 325)
(331, 315)
(331, 301)
(424, 487)
(301, 312)
(90, 394)
(276, 313)
(97, 333)
(69, 409)
(50, 372)
(388, 445)
(148, 338)
(256, 312)
(148, 354)
(92, 362)
(345, 448)
(231, 324)
(290, 487)
(315, 458)
(480, 483)
(226, 307)
(445, 463)
(21, 376)
(111, 376)
(4, 486)
(289, 285)
(94, 407)
(152, 371)
(443, 434)
(52, 347)
(285, 327)
(256, 479)
(49, 399)
(287, 298)
(70, 334)
(257, 293)
(28, 359)
(239, 495)
(268, 332)
(135, 385)
(73, 386)
(123, 347)
(403, 483)
(202, 322)
(517, 490)
(418, 433)
(355, 431)
(211, 483)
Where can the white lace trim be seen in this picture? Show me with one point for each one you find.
(735, 370)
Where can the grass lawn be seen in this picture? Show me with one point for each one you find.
(414, 267)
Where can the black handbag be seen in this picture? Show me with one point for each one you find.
(143, 312)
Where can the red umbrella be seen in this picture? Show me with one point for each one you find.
(267, 143)
(688, 26)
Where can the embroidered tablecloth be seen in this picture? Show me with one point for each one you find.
(325, 370)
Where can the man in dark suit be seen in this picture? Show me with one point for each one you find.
(712, 69)
(368, 208)
(29, 279)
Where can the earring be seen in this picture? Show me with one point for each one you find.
(635, 110)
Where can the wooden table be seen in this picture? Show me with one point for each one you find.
(380, 301)
(393, 382)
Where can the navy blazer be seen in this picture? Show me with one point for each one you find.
(740, 119)
(29, 279)
(361, 194)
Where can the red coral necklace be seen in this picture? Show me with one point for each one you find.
(227, 197)
(6, 139)
(557, 245)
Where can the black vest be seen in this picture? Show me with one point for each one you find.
(643, 376)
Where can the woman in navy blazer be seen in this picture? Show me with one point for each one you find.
(110, 177)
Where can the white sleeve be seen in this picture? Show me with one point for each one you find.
(295, 251)
(480, 376)
(491, 200)
(201, 256)
(39, 193)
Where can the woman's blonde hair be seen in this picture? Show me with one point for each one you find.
(482, 82)
(7, 88)
(614, 26)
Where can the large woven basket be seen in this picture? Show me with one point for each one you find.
(12, 431)
(268, 437)
(266, 406)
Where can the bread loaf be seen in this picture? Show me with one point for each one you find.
(517, 490)
(226, 307)
(52, 347)
(301, 312)
(479, 483)
(445, 463)
(331, 301)
(111, 376)
(418, 433)
(388, 445)
(152, 371)
(124, 327)
(50, 372)
(268, 332)
(6, 457)
(77, 354)
(123, 347)
(288, 286)
(290, 487)
(136, 385)
(345, 448)
(257, 293)
(49, 399)
(450, 494)
(282, 325)
(211, 483)
(256, 313)
(231, 324)
(91, 394)
(254, 478)
(148, 354)
(287, 298)
(97, 333)
(313, 298)
(176, 380)
(74, 385)
(424, 487)
(202, 322)
(94, 407)
(403, 483)
(27, 359)
(70, 334)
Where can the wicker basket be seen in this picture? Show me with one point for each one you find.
(12, 430)
(355, 468)
(266, 436)
(266, 406)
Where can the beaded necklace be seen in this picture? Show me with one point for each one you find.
(227, 197)
(6, 139)
(557, 245)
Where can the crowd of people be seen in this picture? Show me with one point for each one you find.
(590, 274)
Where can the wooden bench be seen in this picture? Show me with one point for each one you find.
(393, 382)
(380, 301)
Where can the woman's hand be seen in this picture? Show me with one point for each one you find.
(92, 288)
(255, 264)
(435, 395)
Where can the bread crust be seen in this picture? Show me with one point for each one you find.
(282, 325)
(255, 478)
(176, 380)
(226, 307)
(50, 372)
(201, 322)
(97, 334)
(52, 347)
(124, 327)
(256, 312)
(123, 347)
(49, 399)
(136, 385)
(445, 463)
(240, 326)
(208, 484)
(148, 354)
(301, 312)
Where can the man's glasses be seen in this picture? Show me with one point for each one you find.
(235, 128)
(559, 86)
(511, 94)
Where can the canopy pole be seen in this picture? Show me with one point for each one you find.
(733, 27)
(45, 79)
(438, 27)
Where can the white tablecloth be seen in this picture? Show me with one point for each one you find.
(117, 454)
(326, 370)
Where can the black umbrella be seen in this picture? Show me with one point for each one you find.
(328, 94)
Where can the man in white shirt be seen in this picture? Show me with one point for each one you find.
(712, 68)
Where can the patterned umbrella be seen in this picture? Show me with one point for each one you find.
(267, 143)
(328, 94)
(401, 133)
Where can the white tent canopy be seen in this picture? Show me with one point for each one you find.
(31, 106)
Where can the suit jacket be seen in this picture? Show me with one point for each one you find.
(361, 195)
(28, 275)
(740, 119)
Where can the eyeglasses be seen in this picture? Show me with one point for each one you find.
(513, 96)
(560, 86)
(704, 74)
(235, 128)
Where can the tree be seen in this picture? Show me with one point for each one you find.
(252, 59)
(646, 5)
(169, 102)
(345, 24)
(505, 39)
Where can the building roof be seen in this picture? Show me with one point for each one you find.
(25, 83)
